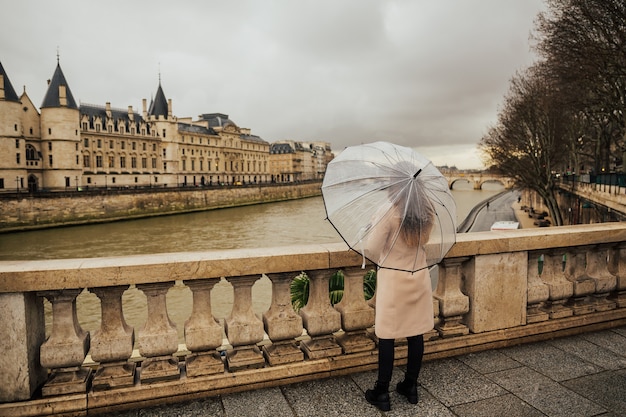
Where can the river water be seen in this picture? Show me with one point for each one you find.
(263, 225)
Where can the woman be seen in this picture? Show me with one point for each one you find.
(404, 306)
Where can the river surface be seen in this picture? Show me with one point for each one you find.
(263, 225)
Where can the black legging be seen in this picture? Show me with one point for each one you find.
(386, 358)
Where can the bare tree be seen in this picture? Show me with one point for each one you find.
(583, 43)
(528, 141)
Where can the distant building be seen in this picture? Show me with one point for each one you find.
(299, 161)
(71, 147)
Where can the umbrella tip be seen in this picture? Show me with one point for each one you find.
(417, 173)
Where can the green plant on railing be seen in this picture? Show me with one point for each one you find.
(300, 288)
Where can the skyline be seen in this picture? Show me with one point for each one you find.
(426, 75)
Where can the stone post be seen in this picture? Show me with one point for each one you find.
(157, 340)
(320, 319)
(606, 282)
(203, 333)
(618, 264)
(356, 315)
(584, 285)
(538, 292)
(453, 304)
(282, 324)
(65, 350)
(22, 330)
(112, 344)
(243, 328)
(560, 289)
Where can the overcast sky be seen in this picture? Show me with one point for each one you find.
(429, 74)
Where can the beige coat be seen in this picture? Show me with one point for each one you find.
(404, 300)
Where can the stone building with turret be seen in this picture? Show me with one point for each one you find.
(71, 146)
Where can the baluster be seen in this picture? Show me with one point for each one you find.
(282, 323)
(243, 328)
(356, 315)
(560, 289)
(112, 344)
(203, 333)
(157, 340)
(453, 304)
(598, 270)
(584, 285)
(65, 350)
(538, 292)
(618, 263)
(320, 319)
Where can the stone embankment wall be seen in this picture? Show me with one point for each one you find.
(51, 210)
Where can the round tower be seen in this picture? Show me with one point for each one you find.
(60, 135)
(12, 144)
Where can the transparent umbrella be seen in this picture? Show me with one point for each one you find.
(390, 204)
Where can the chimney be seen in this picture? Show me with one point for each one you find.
(131, 115)
(145, 108)
(169, 108)
(1, 87)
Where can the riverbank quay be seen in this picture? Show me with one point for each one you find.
(496, 290)
(31, 211)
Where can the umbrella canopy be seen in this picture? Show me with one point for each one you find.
(390, 204)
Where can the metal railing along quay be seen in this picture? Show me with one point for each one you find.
(495, 290)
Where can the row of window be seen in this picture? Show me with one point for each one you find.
(133, 144)
(122, 162)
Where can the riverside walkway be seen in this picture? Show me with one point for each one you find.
(576, 376)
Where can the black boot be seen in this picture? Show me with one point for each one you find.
(379, 396)
(408, 388)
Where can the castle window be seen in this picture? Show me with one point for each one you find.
(50, 159)
(111, 161)
(99, 143)
(31, 130)
(144, 163)
(134, 144)
(99, 161)
(154, 163)
(86, 161)
(144, 146)
(17, 143)
(163, 132)
(133, 162)
(1, 182)
(123, 145)
(15, 127)
(67, 181)
(49, 131)
(110, 128)
(77, 146)
(17, 158)
(97, 128)
(184, 164)
(31, 153)
(86, 142)
(85, 125)
(111, 144)
(49, 146)
(122, 162)
(154, 147)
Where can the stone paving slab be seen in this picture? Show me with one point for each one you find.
(578, 376)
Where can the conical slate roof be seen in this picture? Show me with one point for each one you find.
(9, 92)
(158, 107)
(52, 95)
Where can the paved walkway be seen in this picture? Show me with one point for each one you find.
(577, 376)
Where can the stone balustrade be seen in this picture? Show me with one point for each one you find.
(493, 289)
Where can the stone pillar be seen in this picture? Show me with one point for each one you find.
(282, 324)
(560, 289)
(112, 344)
(320, 319)
(157, 340)
(22, 330)
(538, 292)
(618, 263)
(453, 304)
(499, 283)
(606, 282)
(243, 328)
(65, 350)
(584, 285)
(356, 315)
(203, 333)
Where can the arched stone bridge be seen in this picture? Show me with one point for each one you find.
(477, 179)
